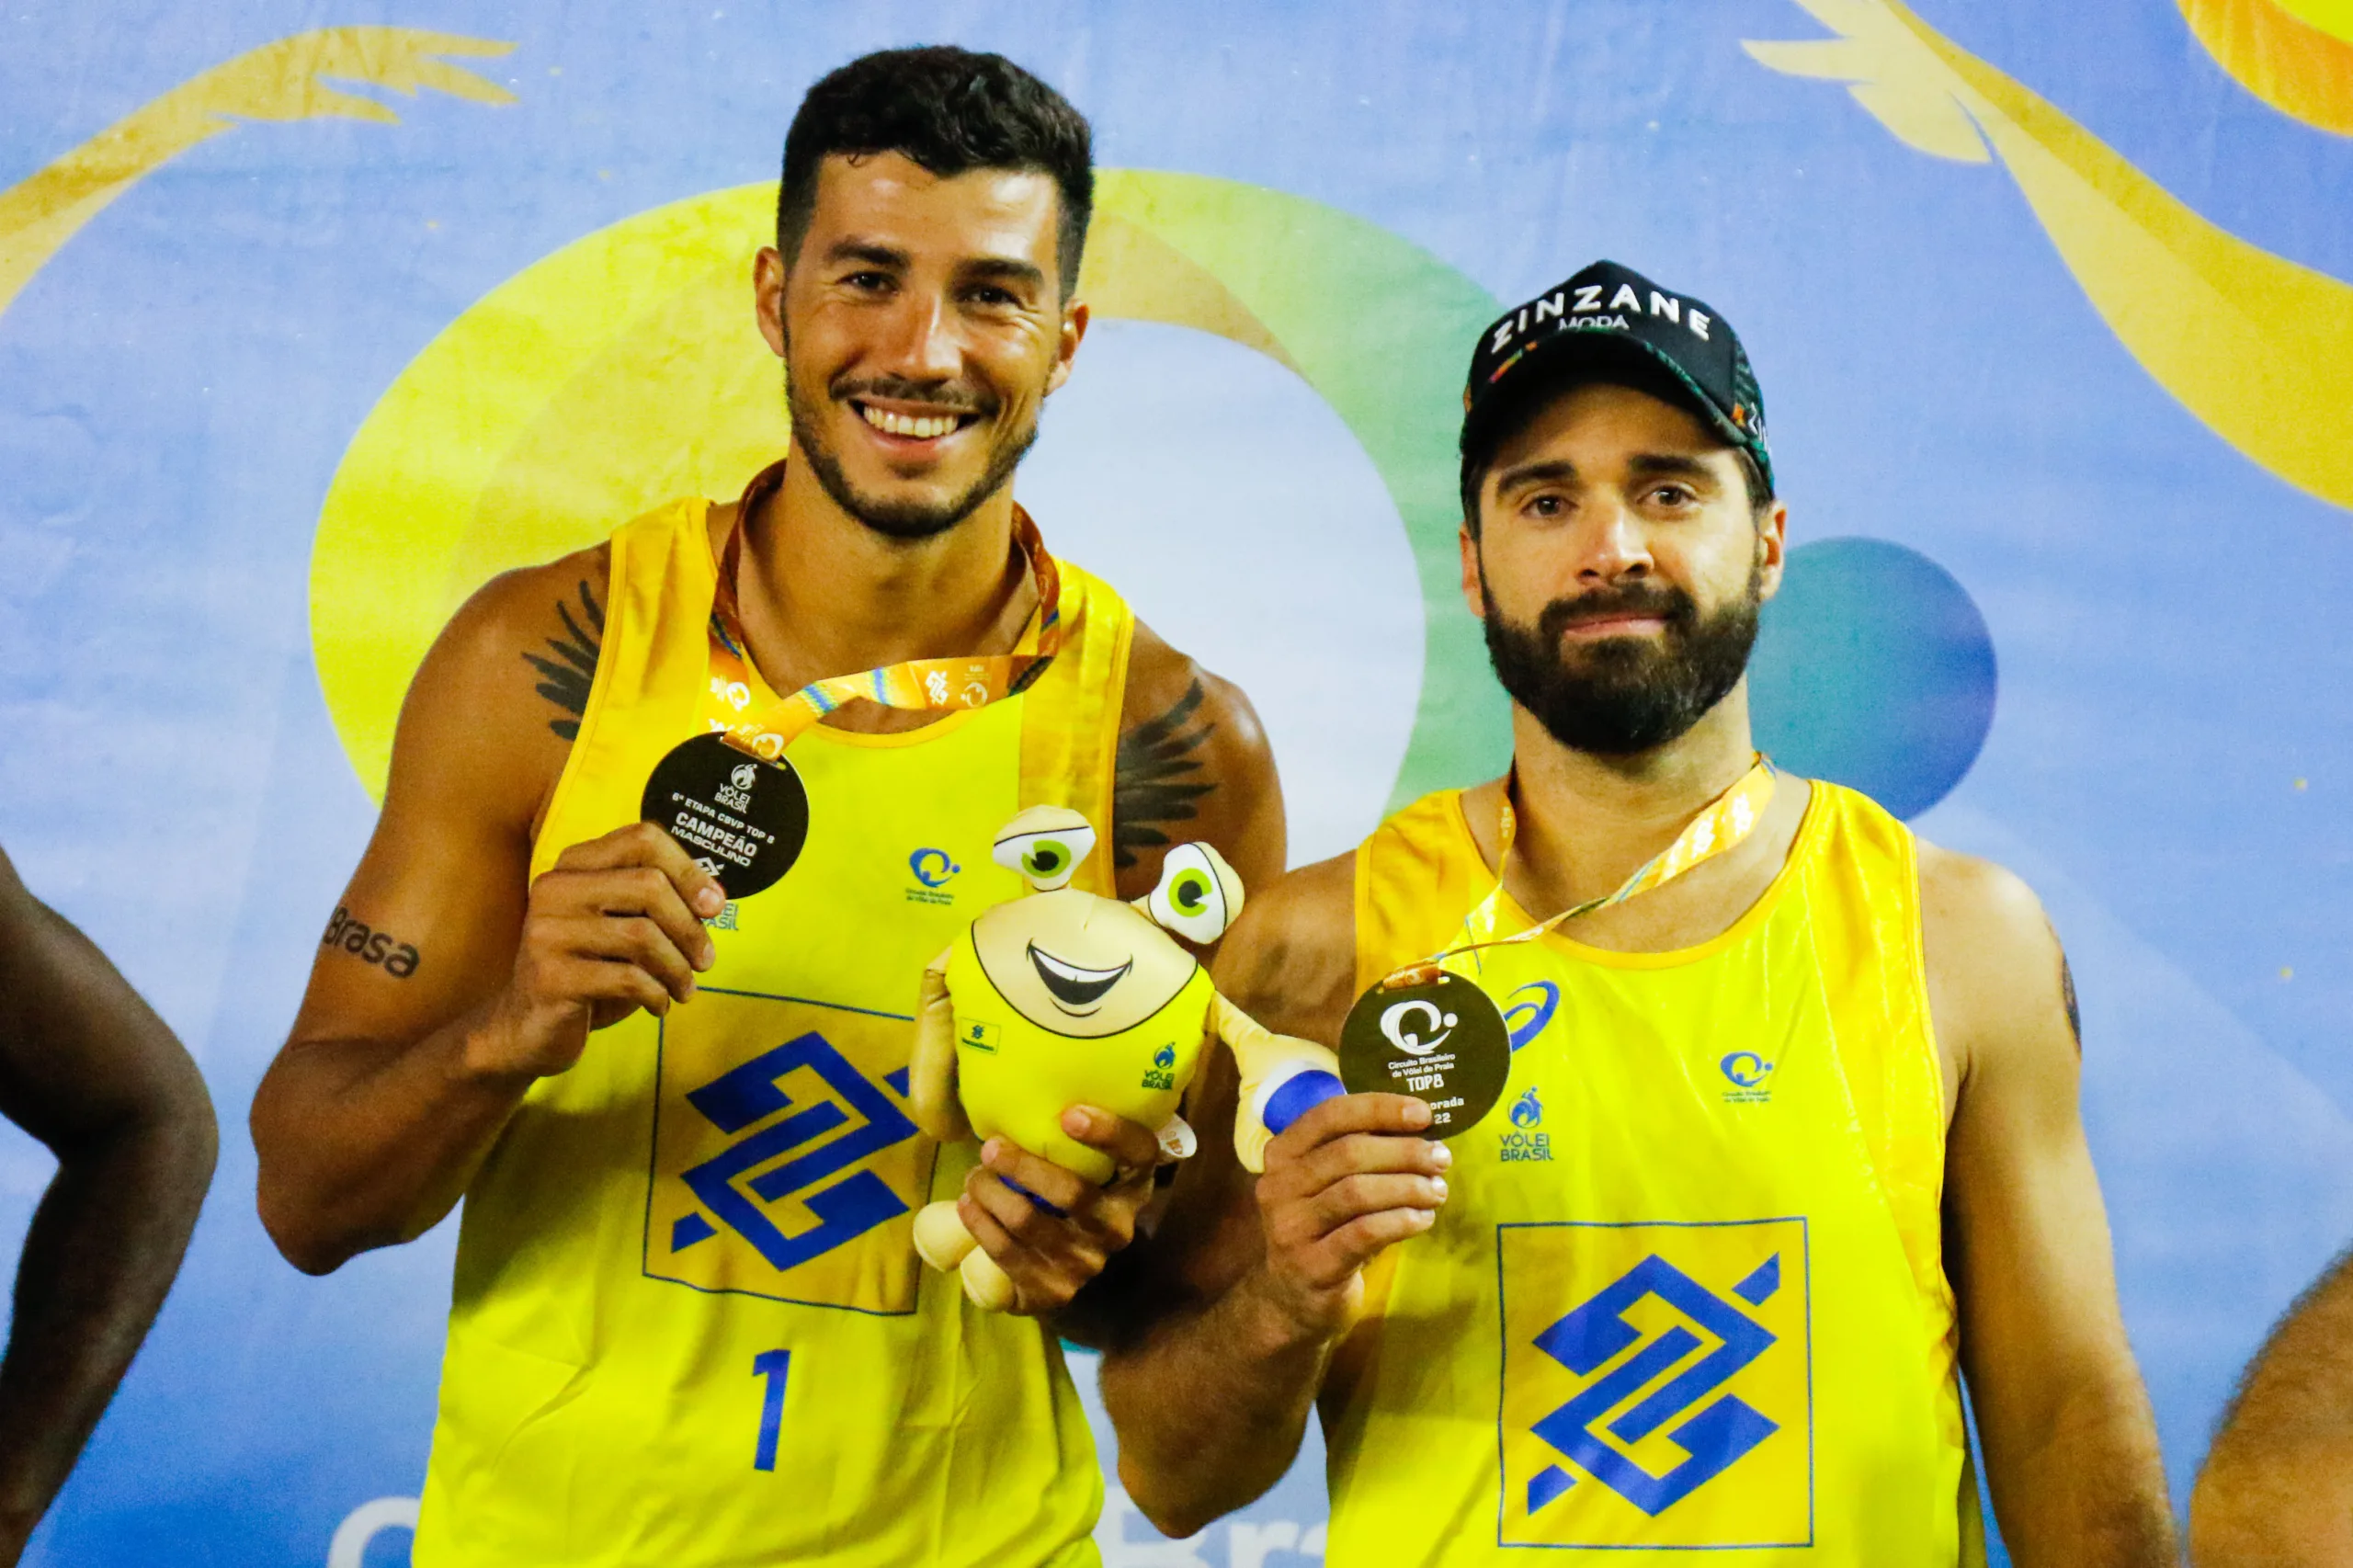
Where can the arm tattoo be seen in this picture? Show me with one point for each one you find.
(349, 936)
(1150, 786)
(564, 679)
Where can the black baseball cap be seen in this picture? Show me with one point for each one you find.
(1611, 316)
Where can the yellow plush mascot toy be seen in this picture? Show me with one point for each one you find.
(1063, 998)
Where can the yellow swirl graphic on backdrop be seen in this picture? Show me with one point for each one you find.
(2334, 17)
(2257, 347)
(623, 370)
(614, 375)
(2301, 66)
(280, 81)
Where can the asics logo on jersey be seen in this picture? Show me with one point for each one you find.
(1668, 1381)
(777, 1157)
(1532, 1007)
(1402, 1022)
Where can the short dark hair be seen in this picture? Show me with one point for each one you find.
(950, 110)
(1480, 443)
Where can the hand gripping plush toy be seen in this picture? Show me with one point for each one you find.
(1065, 998)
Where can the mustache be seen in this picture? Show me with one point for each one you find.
(943, 394)
(1664, 600)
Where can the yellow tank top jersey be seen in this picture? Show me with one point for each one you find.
(1687, 1292)
(689, 1326)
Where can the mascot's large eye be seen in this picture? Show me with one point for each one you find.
(1199, 893)
(1047, 858)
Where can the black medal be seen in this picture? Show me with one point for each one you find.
(1442, 1042)
(742, 819)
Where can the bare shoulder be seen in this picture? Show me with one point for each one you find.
(1969, 886)
(532, 628)
(18, 908)
(443, 882)
(2275, 1487)
(1289, 960)
(1999, 985)
(1193, 763)
(1976, 916)
(27, 941)
(495, 706)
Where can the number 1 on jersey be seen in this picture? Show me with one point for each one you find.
(773, 1365)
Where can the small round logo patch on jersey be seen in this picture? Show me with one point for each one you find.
(740, 819)
(1443, 1043)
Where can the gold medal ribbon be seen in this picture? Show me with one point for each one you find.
(971, 681)
(1721, 825)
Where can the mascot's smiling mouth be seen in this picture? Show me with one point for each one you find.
(1077, 991)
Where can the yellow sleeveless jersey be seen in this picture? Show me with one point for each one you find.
(689, 1326)
(1687, 1292)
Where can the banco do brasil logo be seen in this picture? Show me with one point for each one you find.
(781, 1144)
(1657, 1384)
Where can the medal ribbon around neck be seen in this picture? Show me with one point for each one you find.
(1722, 824)
(970, 681)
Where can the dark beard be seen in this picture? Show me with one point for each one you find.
(1622, 695)
(901, 520)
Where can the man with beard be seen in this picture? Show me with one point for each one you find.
(1789, 1119)
(689, 1325)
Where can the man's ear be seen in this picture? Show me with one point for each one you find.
(768, 296)
(1772, 549)
(1075, 318)
(1474, 583)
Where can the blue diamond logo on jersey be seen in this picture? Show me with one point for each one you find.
(756, 1168)
(1669, 1404)
(785, 1168)
(1712, 1440)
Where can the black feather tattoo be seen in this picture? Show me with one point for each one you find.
(565, 677)
(1150, 788)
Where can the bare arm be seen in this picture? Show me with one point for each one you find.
(1193, 764)
(446, 985)
(2277, 1489)
(1253, 1283)
(86, 1068)
(2071, 1448)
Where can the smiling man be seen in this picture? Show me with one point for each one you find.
(689, 1325)
(1790, 1135)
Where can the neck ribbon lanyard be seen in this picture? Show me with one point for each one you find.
(970, 681)
(1722, 824)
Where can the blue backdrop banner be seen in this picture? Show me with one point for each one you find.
(2049, 306)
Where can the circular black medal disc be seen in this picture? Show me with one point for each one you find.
(1443, 1043)
(742, 819)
